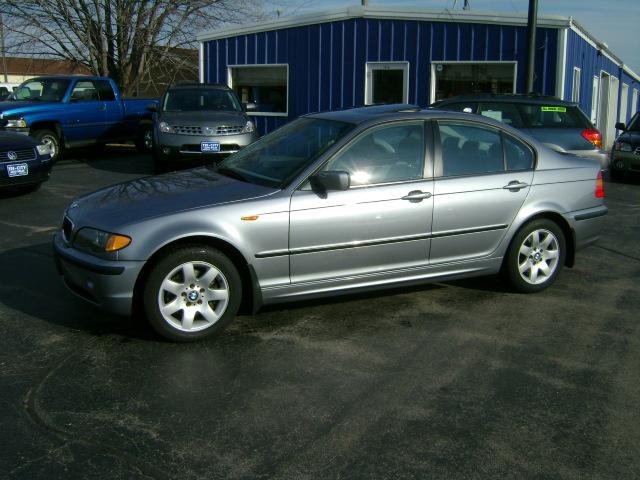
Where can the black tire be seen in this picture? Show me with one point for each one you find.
(206, 262)
(144, 139)
(521, 282)
(49, 137)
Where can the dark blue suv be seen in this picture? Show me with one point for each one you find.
(560, 125)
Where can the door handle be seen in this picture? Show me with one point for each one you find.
(416, 196)
(514, 186)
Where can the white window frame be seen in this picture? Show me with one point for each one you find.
(434, 64)
(634, 102)
(624, 103)
(265, 65)
(368, 78)
(595, 99)
(576, 84)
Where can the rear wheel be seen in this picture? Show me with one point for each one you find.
(48, 137)
(535, 256)
(192, 293)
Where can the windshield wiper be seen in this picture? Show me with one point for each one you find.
(232, 173)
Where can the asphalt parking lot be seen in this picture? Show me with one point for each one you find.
(454, 380)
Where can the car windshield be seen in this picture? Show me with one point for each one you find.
(200, 99)
(41, 90)
(278, 157)
(634, 126)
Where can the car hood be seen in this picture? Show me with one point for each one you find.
(149, 197)
(630, 137)
(15, 108)
(209, 118)
(15, 141)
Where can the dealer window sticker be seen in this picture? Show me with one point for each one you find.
(554, 109)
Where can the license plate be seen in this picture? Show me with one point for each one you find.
(210, 146)
(18, 169)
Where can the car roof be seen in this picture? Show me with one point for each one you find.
(191, 85)
(370, 112)
(384, 113)
(507, 98)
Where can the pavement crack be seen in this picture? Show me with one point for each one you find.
(637, 259)
(39, 418)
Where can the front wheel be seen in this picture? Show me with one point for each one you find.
(144, 142)
(535, 256)
(192, 293)
(48, 137)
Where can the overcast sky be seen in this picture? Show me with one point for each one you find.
(615, 22)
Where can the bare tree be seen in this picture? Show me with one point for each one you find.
(122, 39)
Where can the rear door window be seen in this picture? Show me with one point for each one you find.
(506, 113)
(470, 150)
(517, 155)
(552, 116)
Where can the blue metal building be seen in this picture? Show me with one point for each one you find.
(362, 55)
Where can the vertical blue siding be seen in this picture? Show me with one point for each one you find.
(583, 55)
(327, 61)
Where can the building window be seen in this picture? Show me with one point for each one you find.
(634, 102)
(386, 82)
(450, 79)
(266, 86)
(575, 90)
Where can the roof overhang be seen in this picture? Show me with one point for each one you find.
(389, 13)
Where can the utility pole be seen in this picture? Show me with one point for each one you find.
(532, 22)
(2, 52)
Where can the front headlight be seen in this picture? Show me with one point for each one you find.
(44, 149)
(165, 127)
(96, 241)
(16, 123)
(248, 127)
(623, 147)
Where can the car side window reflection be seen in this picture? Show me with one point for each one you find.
(468, 150)
(384, 155)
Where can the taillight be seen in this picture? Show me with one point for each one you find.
(593, 135)
(599, 186)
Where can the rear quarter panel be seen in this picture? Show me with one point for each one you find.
(562, 184)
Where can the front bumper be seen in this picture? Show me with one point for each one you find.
(188, 146)
(587, 225)
(39, 171)
(625, 161)
(107, 284)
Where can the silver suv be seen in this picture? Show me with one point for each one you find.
(199, 122)
(332, 203)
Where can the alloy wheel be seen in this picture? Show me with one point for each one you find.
(538, 256)
(193, 296)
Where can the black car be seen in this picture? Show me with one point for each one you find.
(625, 154)
(559, 124)
(24, 163)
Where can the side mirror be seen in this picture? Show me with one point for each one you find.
(152, 107)
(324, 182)
(250, 106)
(621, 126)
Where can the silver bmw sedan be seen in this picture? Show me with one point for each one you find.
(335, 202)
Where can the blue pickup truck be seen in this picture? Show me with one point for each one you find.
(76, 111)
